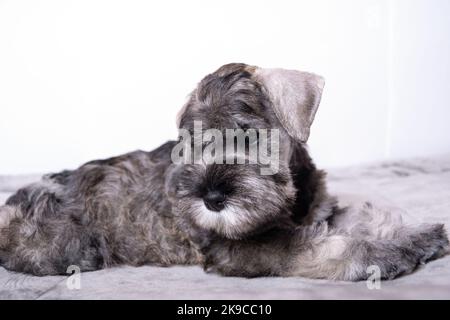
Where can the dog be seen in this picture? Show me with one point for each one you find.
(234, 219)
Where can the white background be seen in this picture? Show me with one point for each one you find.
(89, 79)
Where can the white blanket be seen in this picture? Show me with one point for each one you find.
(420, 188)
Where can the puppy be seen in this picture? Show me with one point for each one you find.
(244, 218)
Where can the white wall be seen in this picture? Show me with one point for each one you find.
(421, 78)
(86, 79)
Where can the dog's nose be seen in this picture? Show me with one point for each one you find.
(214, 200)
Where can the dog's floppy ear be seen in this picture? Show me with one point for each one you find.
(183, 109)
(295, 96)
(180, 114)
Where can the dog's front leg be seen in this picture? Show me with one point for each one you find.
(318, 252)
(341, 256)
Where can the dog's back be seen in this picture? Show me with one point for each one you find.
(107, 212)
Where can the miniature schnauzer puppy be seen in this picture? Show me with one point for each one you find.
(231, 218)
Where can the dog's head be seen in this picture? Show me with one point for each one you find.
(237, 198)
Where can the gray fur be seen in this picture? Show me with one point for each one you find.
(139, 208)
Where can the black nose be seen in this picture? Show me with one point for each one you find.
(214, 200)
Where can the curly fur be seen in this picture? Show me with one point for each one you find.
(140, 208)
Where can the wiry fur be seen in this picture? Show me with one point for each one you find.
(139, 208)
(105, 213)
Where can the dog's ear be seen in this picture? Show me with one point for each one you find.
(183, 109)
(295, 96)
(180, 114)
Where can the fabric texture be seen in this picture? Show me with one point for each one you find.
(419, 188)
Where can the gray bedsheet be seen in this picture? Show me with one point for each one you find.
(419, 188)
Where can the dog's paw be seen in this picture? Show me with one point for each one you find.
(432, 242)
(426, 243)
(403, 255)
(397, 270)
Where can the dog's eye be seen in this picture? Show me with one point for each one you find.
(244, 126)
(256, 138)
(206, 143)
(244, 107)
